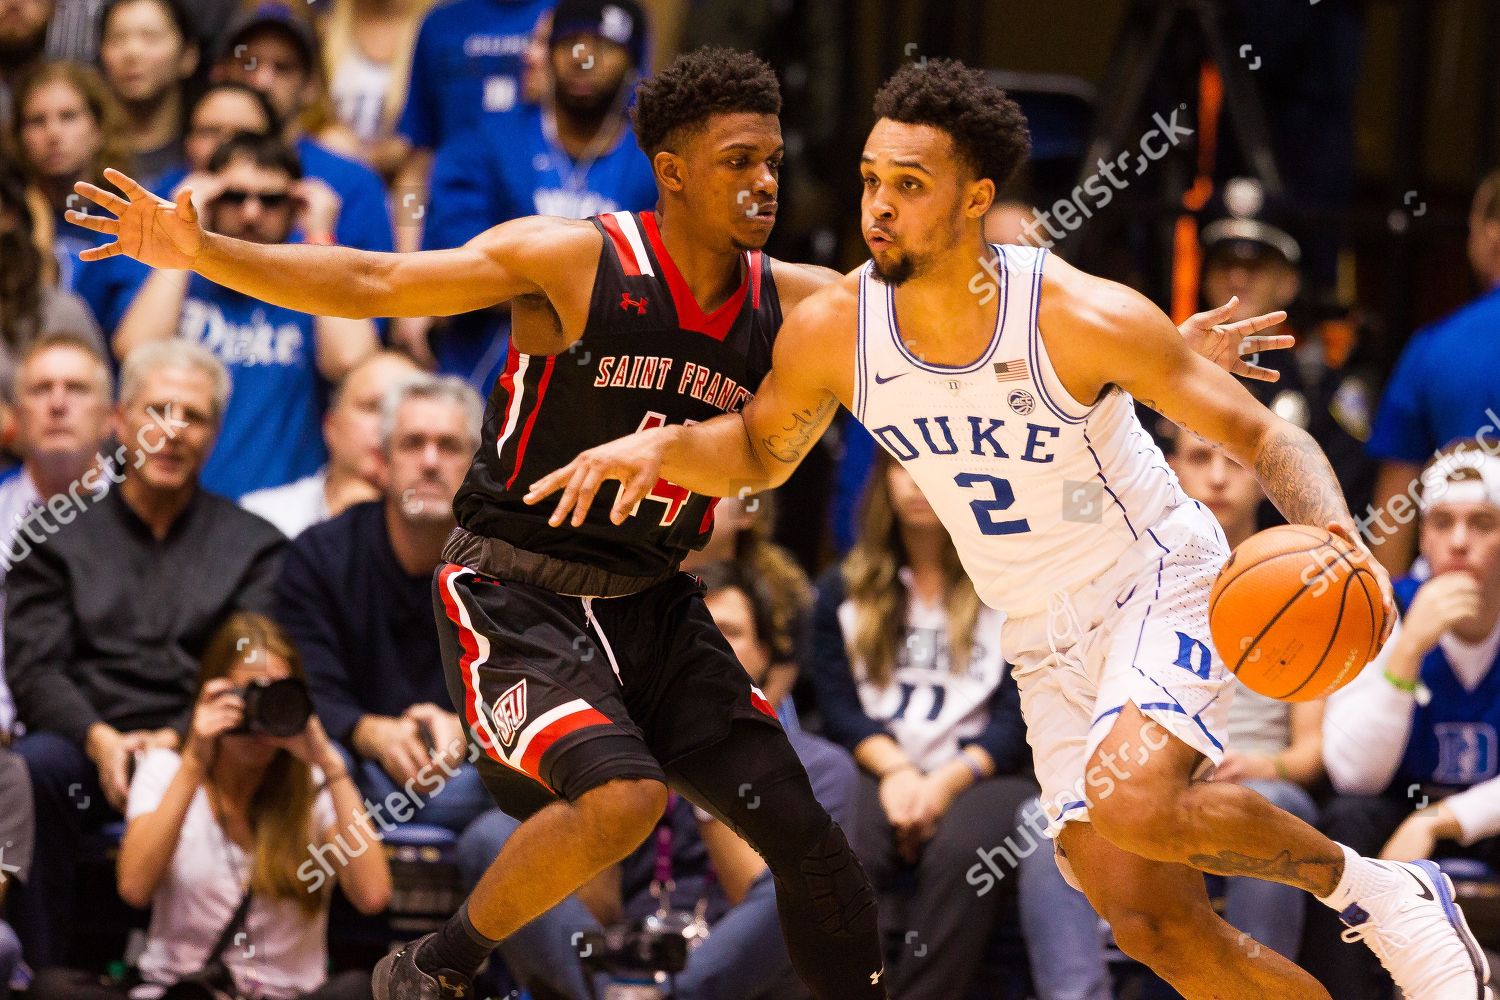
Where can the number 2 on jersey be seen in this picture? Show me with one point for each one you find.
(1002, 497)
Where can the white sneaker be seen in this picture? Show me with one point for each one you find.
(1419, 934)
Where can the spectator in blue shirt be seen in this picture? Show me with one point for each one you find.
(67, 128)
(280, 360)
(467, 64)
(572, 156)
(275, 51)
(1444, 388)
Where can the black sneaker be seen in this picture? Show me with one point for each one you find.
(396, 977)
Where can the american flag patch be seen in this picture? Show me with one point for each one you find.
(1011, 371)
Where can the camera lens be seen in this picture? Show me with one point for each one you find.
(282, 708)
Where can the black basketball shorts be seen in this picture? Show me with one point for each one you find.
(563, 694)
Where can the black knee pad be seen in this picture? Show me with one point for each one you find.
(836, 885)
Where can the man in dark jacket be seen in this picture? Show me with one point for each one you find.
(110, 608)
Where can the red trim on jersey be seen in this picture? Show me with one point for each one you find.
(623, 249)
(690, 316)
(708, 515)
(760, 702)
(536, 407)
(508, 383)
(556, 730)
(470, 646)
(754, 279)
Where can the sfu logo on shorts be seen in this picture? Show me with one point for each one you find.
(509, 712)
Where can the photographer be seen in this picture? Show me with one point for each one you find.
(216, 836)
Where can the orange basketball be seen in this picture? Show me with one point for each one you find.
(1295, 613)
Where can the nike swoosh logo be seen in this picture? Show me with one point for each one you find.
(1121, 604)
(888, 378)
(1422, 886)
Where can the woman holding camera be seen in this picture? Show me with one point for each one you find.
(221, 840)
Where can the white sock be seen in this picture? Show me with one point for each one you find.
(1362, 878)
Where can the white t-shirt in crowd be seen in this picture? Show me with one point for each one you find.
(292, 508)
(284, 952)
(359, 89)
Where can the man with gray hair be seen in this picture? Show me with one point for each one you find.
(60, 399)
(355, 597)
(110, 607)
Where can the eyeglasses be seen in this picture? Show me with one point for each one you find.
(270, 200)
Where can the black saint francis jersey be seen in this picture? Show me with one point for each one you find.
(648, 356)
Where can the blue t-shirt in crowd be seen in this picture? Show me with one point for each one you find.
(467, 62)
(364, 214)
(272, 431)
(505, 169)
(1445, 386)
(109, 285)
(1455, 736)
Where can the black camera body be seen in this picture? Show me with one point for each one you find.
(627, 948)
(275, 708)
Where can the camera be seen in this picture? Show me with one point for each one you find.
(634, 948)
(275, 708)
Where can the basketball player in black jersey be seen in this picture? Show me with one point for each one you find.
(585, 665)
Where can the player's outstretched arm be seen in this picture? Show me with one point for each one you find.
(509, 260)
(738, 453)
(1113, 334)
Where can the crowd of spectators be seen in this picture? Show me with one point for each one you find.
(203, 494)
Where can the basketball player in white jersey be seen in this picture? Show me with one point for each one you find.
(1003, 378)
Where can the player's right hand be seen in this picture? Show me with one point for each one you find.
(153, 230)
(1440, 604)
(635, 461)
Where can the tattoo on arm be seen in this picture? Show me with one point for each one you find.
(1298, 479)
(1319, 876)
(788, 444)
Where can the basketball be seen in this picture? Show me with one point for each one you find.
(1294, 614)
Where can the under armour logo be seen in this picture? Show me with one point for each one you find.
(627, 303)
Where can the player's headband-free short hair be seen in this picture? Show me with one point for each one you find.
(698, 85)
(987, 127)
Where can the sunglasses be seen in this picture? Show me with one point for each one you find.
(271, 200)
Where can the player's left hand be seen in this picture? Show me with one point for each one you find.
(1227, 344)
(1365, 558)
(634, 460)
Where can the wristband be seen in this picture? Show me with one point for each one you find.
(1410, 687)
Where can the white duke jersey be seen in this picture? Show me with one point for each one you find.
(1039, 492)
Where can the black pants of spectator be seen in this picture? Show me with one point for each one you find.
(1364, 824)
(947, 926)
(69, 804)
(76, 984)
